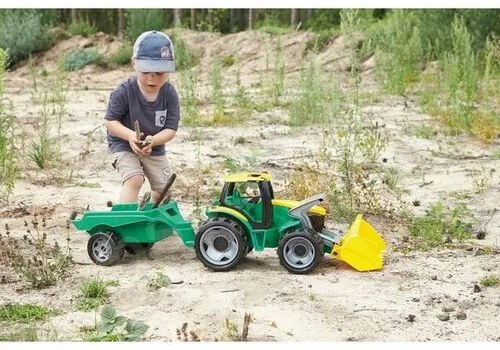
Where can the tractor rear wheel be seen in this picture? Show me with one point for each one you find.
(300, 251)
(220, 244)
(105, 248)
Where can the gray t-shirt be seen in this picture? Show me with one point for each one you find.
(127, 104)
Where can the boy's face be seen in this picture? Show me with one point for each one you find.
(151, 82)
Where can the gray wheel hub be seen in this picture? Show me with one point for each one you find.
(101, 248)
(298, 252)
(219, 245)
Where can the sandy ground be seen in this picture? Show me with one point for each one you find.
(402, 302)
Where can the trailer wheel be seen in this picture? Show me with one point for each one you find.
(136, 248)
(220, 244)
(300, 251)
(105, 248)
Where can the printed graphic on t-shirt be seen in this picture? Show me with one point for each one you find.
(161, 118)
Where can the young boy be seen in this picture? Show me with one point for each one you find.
(152, 101)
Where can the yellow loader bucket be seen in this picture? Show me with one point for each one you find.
(361, 247)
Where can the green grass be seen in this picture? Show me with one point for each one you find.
(24, 313)
(93, 293)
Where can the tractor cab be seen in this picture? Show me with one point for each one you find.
(250, 195)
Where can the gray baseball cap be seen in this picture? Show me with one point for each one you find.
(154, 52)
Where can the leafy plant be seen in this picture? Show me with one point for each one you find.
(79, 58)
(231, 331)
(440, 223)
(157, 280)
(24, 313)
(117, 328)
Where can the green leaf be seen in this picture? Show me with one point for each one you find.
(120, 321)
(136, 327)
(108, 314)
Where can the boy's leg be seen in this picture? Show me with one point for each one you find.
(157, 171)
(129, 167)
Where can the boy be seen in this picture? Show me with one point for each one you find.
(152, 101)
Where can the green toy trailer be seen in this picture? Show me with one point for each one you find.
(131, 227)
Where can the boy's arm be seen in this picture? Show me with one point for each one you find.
(121, 131)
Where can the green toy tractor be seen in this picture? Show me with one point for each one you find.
(247, 216)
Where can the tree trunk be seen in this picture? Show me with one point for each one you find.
(177, 17)
(121, 23)
(310, 14)
(74, 17)
(210, 18)
(231, 20)
(251, 18)
(193, 19)
(295, 18)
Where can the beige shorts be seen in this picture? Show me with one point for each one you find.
(155, 168)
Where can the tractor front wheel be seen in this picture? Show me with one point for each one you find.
(220, 244)
(105, 248)
(300, 251)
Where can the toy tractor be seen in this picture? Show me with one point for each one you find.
(247, 216)
(133, 227)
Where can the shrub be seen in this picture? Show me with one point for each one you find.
(24, 313)
(77, 59)
(93, 293)
(82, 28)
(22, 34)
(122, 55)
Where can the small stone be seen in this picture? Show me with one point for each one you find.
(415, 299)
(410, 318)
(405, 239)
(477, 289)
(481, 234)
(449, 275)
(434, 277)
(461, 315)
(416, 203)
(384, 160)
(444, 317)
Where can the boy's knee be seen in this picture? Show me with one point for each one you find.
(135, 181)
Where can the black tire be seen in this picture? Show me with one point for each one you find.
(220, 244)
(136, 248)
(105, 248)
(300, 251)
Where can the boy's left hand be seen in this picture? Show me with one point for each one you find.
(149, 143)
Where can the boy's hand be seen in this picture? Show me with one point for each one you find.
(135, 144)
(148, 145)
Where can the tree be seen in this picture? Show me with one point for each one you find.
(177, 17)
(193, 19)
(295, 18)
(74, 17)
(121, 23)
(251, 18)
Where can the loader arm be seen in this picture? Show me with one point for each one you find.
(300, 211)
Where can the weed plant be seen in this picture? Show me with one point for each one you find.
(189, 99)
(42, 264)
(441, 224)
(157, 280)
(9, 170)
(216, 89)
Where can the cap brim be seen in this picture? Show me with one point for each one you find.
(148, 66)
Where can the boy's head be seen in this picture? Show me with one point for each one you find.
(153, 52)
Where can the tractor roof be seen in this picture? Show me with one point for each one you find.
(244, 177)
